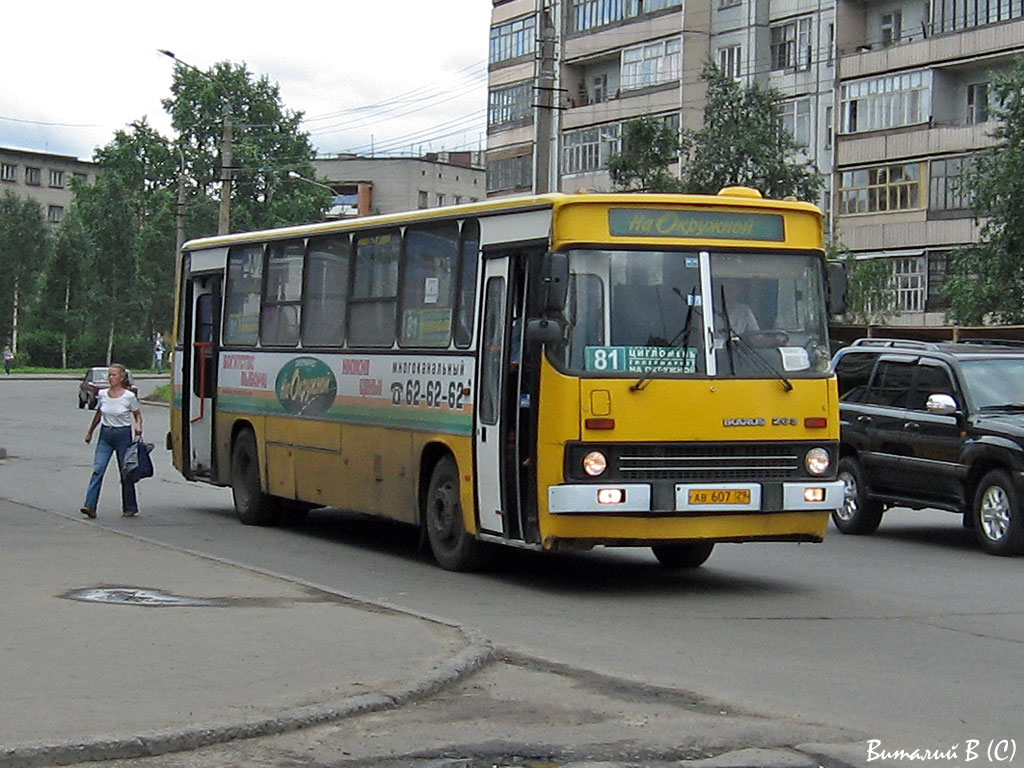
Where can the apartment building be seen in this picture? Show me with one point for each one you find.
(914, 103)
(43, 177)
(368, 185)
(888, 98)
(611, 61)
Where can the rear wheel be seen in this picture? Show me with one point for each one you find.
(859, 514)
(254, 507)
(997, 515)
(689, 555)
(453, 547)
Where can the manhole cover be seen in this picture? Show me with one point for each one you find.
(138, 596)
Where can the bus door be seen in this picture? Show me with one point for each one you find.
(500, 435)
(199, 374)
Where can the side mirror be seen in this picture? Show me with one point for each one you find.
(544, 331)
(837, 285)
(941, 405)
(554, 277)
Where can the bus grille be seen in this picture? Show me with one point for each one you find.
(688, 463)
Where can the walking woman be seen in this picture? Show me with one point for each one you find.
(116, 409)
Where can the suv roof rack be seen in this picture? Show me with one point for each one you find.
(900, 343)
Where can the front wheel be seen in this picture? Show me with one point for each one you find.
(690, 555)
(254, 507)
(453, 547)
(997, 515)
(859, 514)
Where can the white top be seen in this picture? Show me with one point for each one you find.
(116, 411)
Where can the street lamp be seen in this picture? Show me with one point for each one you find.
(227, 138)
(296, 175)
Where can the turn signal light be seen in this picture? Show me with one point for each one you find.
(814, 495)
(610, 495)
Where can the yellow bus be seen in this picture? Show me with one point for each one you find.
(553, 372)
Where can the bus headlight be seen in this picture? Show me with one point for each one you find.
(595, 463)
(817, 461)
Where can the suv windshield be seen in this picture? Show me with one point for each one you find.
(995, 382)
(688, 313)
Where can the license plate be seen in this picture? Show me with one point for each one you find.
(698, 496)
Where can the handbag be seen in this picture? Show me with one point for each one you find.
(137, 461)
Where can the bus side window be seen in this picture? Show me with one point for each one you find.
(428, 285)
(469, 259)
(372, 308)
(242, 303)
(326, 294)
(279, 324)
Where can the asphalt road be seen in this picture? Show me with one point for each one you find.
(912, 636)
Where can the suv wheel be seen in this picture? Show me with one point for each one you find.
(859, 514)
(997, 515)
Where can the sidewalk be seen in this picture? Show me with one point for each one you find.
(94, 667)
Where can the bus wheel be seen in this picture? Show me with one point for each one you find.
(453, 548)
(253, 506)
(690, 555)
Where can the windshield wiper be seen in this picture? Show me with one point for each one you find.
(745, 346)
(683, 335)
(1003, 407)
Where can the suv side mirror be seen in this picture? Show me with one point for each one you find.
(837, 285)
(940, 404)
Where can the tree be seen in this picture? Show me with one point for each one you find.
(266, 144)
(743, 142)
(870, 298)
(24, 242)
(649, 146)
(986, 279)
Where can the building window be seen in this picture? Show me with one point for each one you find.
(828, 127)
(55, 214)
(8, 172)
(879, 189)
(947, 190)
(791, 44)
(795, 119)
(589, 14)
(938, 263)
(651, 64)
(587, 149)
(977, 103)
(440, 199)
(33, 176)
(509, 104)
(423, 200)
(723, 4)
(892, 27)
(886, 102)
(909, 280)
(950, 15)
(513, 39)
(510, 173)
(730, 61)
(56, 178)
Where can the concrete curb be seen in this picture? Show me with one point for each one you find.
(477, 653)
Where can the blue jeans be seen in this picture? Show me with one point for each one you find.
(111, 440)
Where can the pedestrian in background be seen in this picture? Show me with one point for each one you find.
(8, 359)
(116, 409)
(158, 355)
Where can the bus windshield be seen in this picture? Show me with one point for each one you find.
(684, 313)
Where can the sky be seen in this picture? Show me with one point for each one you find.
(387, 77)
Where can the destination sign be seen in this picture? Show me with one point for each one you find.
(713, 225)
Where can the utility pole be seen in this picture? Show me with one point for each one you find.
(227, 140)
(227, 136)
(545, 87)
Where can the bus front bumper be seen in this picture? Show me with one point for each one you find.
(695, 499)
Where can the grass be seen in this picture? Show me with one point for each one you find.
(161, 394)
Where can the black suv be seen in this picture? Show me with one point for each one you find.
(933, 425)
